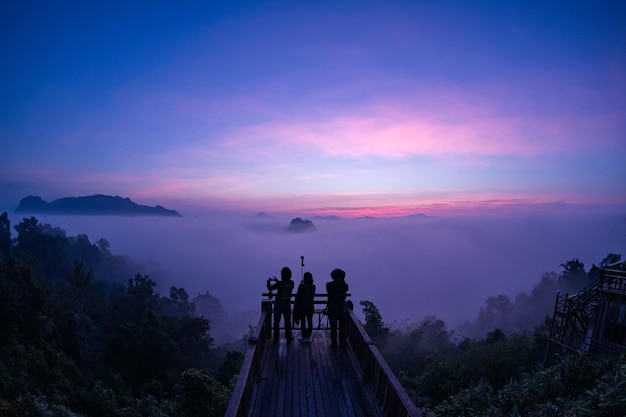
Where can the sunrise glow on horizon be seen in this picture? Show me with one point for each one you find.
(321, 109)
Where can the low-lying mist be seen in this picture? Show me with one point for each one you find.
(409, 268)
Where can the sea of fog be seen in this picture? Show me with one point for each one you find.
(410, 268)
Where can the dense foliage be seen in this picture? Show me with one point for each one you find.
(508, 371)
(78, 337)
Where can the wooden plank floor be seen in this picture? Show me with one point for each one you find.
(306, 380)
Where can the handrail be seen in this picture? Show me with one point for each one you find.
(390, 394)
(241, 396)
(270, 294)
(381, 380)
(318, 299)
(613, 280)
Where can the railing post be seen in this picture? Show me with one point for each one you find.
(248, 375)
(266, 305)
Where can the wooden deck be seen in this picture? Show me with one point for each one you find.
(305, 380)
(311, 380)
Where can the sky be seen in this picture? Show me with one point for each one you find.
(346, 108)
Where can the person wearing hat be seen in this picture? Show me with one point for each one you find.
(337, 290)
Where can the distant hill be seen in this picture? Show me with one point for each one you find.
(92, 205)
(419, 216)
(298, 225)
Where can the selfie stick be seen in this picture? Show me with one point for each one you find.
(301, 268)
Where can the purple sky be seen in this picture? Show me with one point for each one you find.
(344, 108)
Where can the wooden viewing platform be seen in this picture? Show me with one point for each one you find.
(311, 379)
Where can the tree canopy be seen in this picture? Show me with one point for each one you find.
(76, 341)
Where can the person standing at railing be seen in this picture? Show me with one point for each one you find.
(303, 307)
(282, 302)
(337, 290)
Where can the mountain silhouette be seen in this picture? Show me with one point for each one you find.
(98, 204)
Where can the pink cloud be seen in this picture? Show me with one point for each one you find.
(365, 136)
(438, 122)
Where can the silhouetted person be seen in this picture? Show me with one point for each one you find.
(282, 302)
(337, 290)
(304, 306)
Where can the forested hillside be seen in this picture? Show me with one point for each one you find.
(83, 333)
(499, 364)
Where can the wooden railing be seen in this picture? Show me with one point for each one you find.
(383, 383)
(391, 396)
(572, 317)
(613, 280)
(319, 313)
(251, 368)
